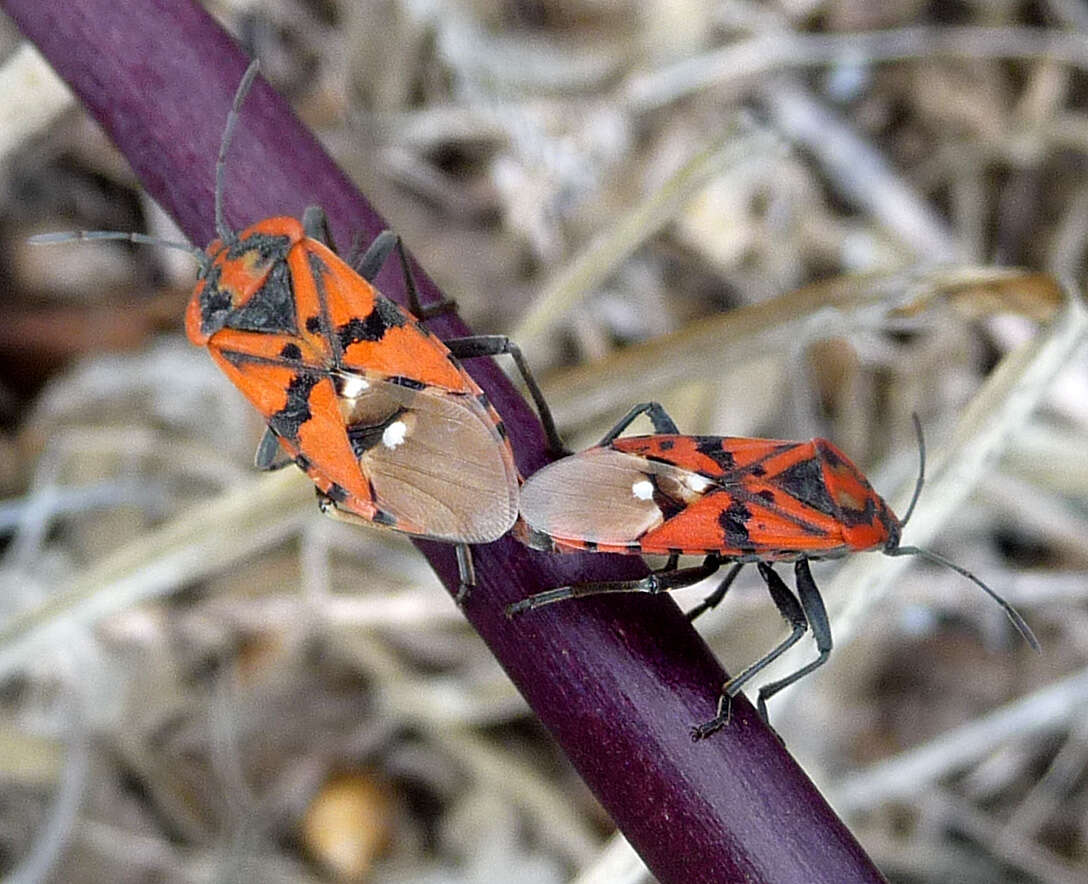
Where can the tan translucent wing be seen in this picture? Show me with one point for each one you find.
(605, 496)
(435, 459)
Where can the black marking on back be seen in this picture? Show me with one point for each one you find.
(666, 444)
(217, 305)
(381, 517)
(590, 545)
(269, 309)
(291, 351)
(373, 326)
(829, 454)
(734, 524)
(318, 270)
(268, 246)
(864, 516)
(766, 498)
(409, 383)
(337, 493)
(805, 482)
(711, 446)
(296, 411)
(234, 357)
(303, 462)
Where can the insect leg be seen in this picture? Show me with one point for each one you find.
(373, 259)
(657, 582)
(497, 345)
(269, 455)
(315, 224)
(466, 570)
(821, 631)
(663, 424)
(466, 573)
(714, 599)
(793, 612)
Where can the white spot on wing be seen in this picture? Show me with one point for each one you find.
(394, 434)
(643, 489)
(697, 483)
(352, 386)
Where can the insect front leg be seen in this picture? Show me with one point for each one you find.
(370, 263)
(814, 608)
(793, 612)
(715, 598)
(659, 581)
(315, 224)
(498, 345)
(655, 411)
(466, 570)
(269, 454)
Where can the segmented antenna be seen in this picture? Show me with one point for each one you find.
(221, 227)
(47, 239)
(1014, 615)
(921, 468)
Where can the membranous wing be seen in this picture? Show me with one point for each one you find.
(435, 461)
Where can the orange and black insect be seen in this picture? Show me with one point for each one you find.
(355, 390)
(728, 499)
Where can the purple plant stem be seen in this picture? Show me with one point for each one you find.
(617, 680)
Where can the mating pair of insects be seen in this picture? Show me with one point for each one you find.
(392, 431)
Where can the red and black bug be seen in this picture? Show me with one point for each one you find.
(728, 499)
(374, 408)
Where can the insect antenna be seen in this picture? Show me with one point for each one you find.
(46, 239)
(221, 227)
(1014, 615)
(921, 468)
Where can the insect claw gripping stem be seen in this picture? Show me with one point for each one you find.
(793, 613)
(466, 574)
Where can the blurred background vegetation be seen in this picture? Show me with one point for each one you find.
(779, 218)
